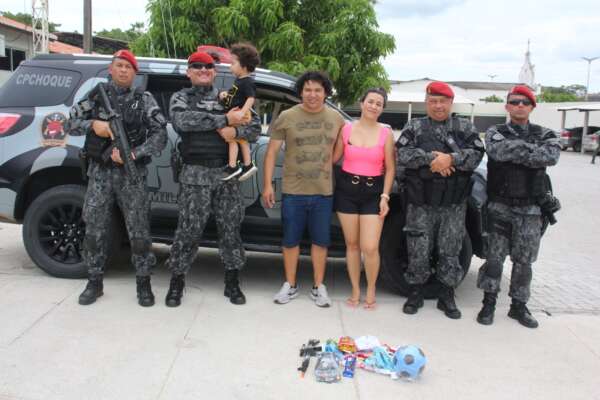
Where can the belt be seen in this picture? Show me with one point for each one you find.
(513, 202)
(361, 179)
(210, 163)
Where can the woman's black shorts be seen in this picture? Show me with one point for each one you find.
(357, 194)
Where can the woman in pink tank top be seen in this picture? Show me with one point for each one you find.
(362, 190)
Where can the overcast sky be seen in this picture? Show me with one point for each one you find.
(441, 39)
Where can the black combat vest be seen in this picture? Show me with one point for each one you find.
(203, 147)
(131, 108)
(515, 183)
(424, 187)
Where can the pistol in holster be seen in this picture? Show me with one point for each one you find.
(176, 164)
(83, 163)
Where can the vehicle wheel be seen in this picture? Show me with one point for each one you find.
(53, 231)
(394, 259)
(392, 251)
(577, 147)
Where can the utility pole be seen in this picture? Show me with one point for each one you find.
(87, 26)
(587, 85)
(39, 25)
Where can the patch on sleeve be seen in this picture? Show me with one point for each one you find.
(478, 143)
(403, 140)
(498, 136)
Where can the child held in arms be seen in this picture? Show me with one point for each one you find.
(244, 59)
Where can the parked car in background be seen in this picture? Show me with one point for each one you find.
(571, 137)
(590, 142)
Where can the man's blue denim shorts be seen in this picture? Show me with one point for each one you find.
(299, 211)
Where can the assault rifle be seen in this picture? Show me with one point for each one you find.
(119, 134)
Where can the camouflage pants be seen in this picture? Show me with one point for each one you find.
(518, 235)
(104, 186)
(196, 203)
(429, 228)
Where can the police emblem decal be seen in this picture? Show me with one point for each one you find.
(53, 130)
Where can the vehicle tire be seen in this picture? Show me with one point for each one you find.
(577, 147)
(53, 231)
(394, 260)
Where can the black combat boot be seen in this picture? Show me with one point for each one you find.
(518, 310)
(414, 301)
(92, 291)
(144, 291)
(446, 303)
(486, 315)
(175, 292)
(232, 287)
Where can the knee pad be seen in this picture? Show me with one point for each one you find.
(493, 269)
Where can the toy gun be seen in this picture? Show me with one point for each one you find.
(308, 350)
(120, 135)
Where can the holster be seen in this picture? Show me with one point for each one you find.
(83, 163)
(176, 164)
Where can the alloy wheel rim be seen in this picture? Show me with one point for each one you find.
(61, 231)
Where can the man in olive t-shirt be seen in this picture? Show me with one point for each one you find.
(309, 131)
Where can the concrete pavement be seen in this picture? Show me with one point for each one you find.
(52, 348)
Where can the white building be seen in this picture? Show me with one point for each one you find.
(406, 100)
(16, 45)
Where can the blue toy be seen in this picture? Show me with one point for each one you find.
(409, 362)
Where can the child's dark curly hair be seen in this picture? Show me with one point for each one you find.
(247, 54)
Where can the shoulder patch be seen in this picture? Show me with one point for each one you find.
(498, 136)
(478, 143)
(403, 140)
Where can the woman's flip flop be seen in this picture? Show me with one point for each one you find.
(370, 306)
(350, 302)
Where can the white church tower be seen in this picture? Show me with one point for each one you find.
(527, 74)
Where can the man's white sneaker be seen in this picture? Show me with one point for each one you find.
(320, 296)
(285, 294)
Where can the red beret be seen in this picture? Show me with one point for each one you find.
(523, 91)
(200, 57)
(439, 89)
(128, 56)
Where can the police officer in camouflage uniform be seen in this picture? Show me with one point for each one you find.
(108, 180)
(438, 154)
(203, 126)
(518, 154)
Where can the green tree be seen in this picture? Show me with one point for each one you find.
(26, 19)
(559, 94)
(134, 32)
(492, 99)
(338, 36)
